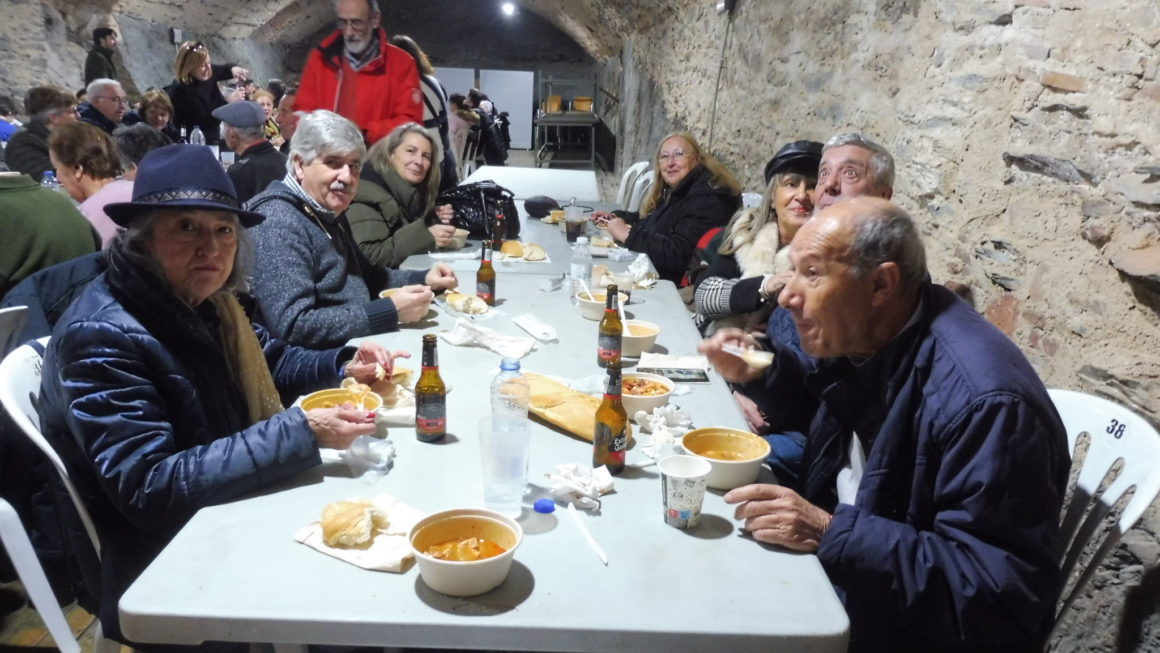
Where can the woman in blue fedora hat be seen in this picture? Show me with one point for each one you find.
(157, 389)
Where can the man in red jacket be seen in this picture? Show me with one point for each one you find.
(357, 74)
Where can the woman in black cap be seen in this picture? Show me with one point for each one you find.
(740, 287)
(157, 389)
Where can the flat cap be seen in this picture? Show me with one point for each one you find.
(241, 114)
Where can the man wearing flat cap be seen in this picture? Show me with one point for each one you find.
(258, 162)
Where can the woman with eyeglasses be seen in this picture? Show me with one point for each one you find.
(692, 192)
(195, 92)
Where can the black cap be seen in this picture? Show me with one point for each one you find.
(798, 156)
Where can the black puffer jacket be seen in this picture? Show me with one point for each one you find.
(670, 233)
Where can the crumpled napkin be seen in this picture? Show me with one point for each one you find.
(580, 484)
(665, 425)
(535, 326)
(369, 457)
(641, 270)
(388, 551)
(468, 334)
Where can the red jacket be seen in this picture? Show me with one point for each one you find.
(378, 98)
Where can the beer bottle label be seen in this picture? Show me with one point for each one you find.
(612, 446)
(485, 291)
(430, 416)
(608, 347)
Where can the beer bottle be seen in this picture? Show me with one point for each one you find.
(610, 440)
(430, 397)
(485, 277)
(608, 337)
(498, 230)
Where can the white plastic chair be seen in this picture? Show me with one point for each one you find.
(11, 322)
(1116, 436)
(751, 200)
(641, 188)
(31, 574)
(628, 180)
(469, 161)
(20, 374)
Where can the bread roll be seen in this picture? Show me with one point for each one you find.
(513, 248)
(533, 252)
(467, 304)
(347, 524)
(559, 405)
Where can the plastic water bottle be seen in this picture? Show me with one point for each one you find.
(581, 267)
(505, 445)
(48, 180)
(196, 137)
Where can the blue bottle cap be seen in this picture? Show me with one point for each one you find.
(544, 506)
(510, 364)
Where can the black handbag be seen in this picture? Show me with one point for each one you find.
(476, 204)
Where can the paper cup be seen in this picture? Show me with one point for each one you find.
(683, 480)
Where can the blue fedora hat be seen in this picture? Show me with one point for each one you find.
(181, 176)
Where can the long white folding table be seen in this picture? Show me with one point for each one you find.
(235, 574)
(560, 185)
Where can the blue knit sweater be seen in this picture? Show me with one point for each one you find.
(313, 284)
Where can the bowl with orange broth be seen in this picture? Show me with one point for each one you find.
(734, 456)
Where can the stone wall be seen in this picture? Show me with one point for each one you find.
(1025, 135)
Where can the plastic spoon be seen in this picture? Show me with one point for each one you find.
(584, 286)
(755, 358)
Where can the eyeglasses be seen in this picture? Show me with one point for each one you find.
(195, 46)
(114, 99)
(675, 155)
(356, 24)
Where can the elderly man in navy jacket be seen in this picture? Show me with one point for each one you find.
(935, 461)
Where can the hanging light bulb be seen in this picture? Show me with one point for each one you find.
(509, 9)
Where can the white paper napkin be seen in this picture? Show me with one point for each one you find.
(388, 551)
(467, 334)
(455, 256)
(538, 328)
(580, 484)
(695, 362)
(665, 426)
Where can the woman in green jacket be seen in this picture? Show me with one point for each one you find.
(393, 214)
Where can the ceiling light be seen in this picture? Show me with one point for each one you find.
(509, 9)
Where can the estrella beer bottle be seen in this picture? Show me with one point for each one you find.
(610, 441)
(609, 336)
(485, 277)
(430, 396)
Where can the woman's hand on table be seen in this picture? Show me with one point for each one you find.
(412, 302)
(731, 368)
(337, 427)
(444, 213)
(444, 234)
(370, 356)
(777, 515)
(441, 277)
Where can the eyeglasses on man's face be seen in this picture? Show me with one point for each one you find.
(357, 24)
(675, 155)
(114, 99)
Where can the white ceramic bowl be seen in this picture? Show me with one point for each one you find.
(593, 308)
(387, 293)
(634, 345)
(735, 457)
(460, 238)
(633, 403)
(464, 578)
